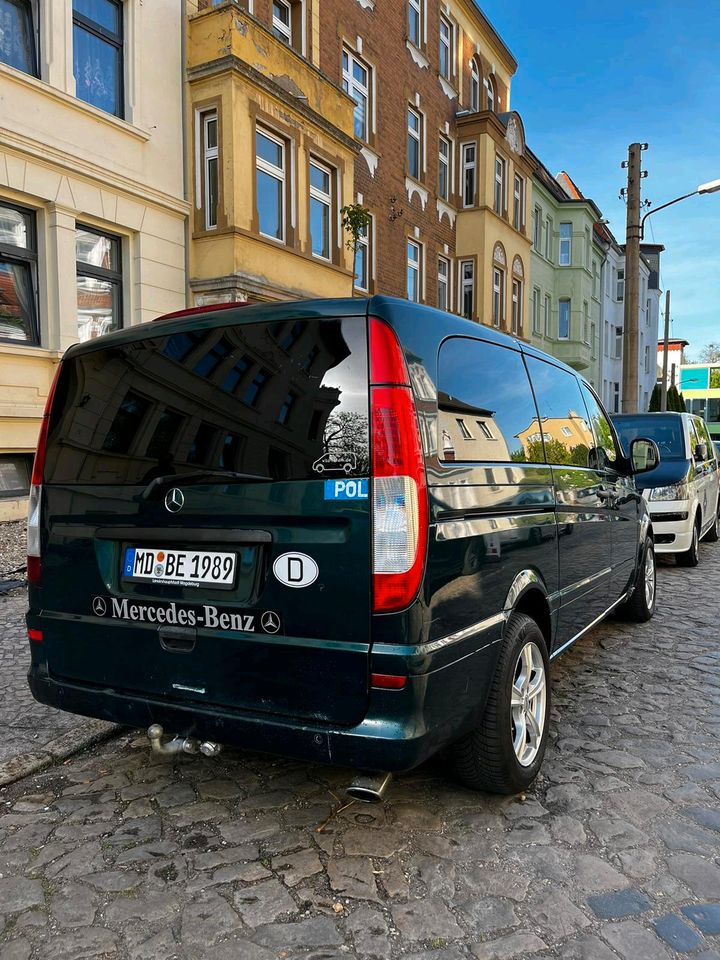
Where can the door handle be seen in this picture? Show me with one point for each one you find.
(177, 639)
(607, 496)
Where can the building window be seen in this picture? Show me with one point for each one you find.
(618, 343)
(320, 209)
(270, 184)
(254, 390)
(17, 36)
(593, 339)
(500, 173)
(474, 86)
(536, 310)
(469, 168)
(565, 257)
(357, 82)
(467, 288)
(586, 322)
(647, 359)
(209, 167)
(537, 228)
(414, 143)
(517, 307)
(416, 21)
(490, 93)
(498, 297)
(548, 239)
(287, 408)
(620, 286)
(413, 271)
(616, 397)
(99, 282)
(443, 168)
(548, 315)
(443, 283)
(363, 258)
(282, 21)
(518, 202)
(18, 276)
(464, 431)
(587, 248)
(447, 48)
(563, 319)
(98, 53)
(595, 285)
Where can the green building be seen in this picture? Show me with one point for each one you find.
(565, 276)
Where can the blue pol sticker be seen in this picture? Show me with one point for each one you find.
(346, 489)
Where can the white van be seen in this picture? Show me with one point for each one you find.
(682, 491)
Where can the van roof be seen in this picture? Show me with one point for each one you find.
(401, 314)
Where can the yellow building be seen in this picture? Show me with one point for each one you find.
(493, 222)
(272, 162)
(92, 208)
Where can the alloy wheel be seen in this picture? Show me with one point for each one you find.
(649, 577)
(528, 704)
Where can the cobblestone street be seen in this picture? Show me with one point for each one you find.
(614, 853)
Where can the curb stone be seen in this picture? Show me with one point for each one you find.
(57, 750)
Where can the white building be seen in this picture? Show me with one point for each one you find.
(92, 195)
(613, 324)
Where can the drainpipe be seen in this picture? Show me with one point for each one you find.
(185, 140)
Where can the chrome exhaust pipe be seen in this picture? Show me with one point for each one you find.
(369, 787)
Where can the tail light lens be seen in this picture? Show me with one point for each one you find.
(399, 505)
(34, 549)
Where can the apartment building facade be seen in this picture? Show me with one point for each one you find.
(402, 108)
(613, 322)
(92, 208)
(567, 262)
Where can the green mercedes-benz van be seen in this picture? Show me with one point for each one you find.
(351, 531)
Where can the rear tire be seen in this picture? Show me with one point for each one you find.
(641, 605)
(691, 557)
(504, 753)
(713, 534)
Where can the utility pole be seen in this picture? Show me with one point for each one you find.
(632, 278)
(663, 386)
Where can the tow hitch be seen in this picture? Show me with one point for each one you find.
(180, 744)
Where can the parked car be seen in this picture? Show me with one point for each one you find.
(682, 491)
(189, 569)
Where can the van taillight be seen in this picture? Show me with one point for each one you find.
(34, 550)
(400, 510)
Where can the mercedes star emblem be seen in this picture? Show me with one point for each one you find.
(99, 607)
(270, 622)
(174, 500)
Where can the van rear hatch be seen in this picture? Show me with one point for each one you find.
(206, 522)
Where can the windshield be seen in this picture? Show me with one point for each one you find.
(666, 431)
(269, 400)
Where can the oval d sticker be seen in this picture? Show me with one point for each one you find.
(296, 569)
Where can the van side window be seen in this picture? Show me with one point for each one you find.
(563, 418)
(486, 407)
(604, 440)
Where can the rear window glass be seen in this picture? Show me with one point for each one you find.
(667, 432)
(486, 407)
(287, 400)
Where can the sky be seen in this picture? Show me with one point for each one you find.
(592, 79)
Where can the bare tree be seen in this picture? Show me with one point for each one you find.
(347, 432)
(710, 353)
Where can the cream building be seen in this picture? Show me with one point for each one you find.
(92, 188)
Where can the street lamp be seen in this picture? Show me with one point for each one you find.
(713, 186)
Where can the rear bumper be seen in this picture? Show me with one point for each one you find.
(400, 730)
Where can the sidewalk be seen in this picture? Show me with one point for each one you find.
(33, 735)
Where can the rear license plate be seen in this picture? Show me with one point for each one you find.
(186, 568)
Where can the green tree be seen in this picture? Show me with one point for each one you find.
(655, 399)
(674, 402)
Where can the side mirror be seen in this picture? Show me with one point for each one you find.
(644, 455)
(701, 451)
